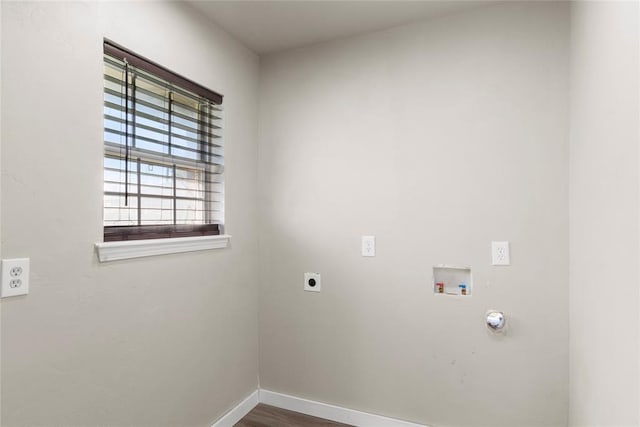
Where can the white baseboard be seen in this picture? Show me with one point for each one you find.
(330, 412)
(308, 407)
(239, 411)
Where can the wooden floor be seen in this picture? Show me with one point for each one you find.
(269, 416)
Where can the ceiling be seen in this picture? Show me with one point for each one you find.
(270, 26)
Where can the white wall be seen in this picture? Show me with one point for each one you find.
(161, 341)
(436, 137)
(604, 214)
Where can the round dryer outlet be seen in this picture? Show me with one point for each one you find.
(312, 282)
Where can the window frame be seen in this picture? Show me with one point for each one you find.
(119, 233)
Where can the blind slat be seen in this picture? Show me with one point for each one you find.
(187, 124)
(160, 107)
(159, 130)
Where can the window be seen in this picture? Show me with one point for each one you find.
(163, 152)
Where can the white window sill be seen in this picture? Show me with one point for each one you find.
(113, 251)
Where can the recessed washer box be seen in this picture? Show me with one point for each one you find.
(452, 280)
(312, 282)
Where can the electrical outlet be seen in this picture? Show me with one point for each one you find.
(15, 277)
(368, 245)
(312, 282)
(500, 253)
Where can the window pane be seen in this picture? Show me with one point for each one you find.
(116, 213)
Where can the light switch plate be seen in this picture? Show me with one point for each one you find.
(500, 253)
(15, 277)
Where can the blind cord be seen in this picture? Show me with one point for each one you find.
(205, 111)
(126, 132)
(170, 120)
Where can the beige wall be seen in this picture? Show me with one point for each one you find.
(604, 302)
(438, 138)
(169, 340)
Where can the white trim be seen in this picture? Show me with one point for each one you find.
(308, 407)
(330, 412)
(239, 411)
(112, 251)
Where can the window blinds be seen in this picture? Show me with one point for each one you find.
(163, 152)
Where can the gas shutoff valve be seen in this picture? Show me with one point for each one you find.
(496, 321)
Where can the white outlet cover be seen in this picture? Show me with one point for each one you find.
(500, 253)
(312, 282)
(15, 277)
(368, 245)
